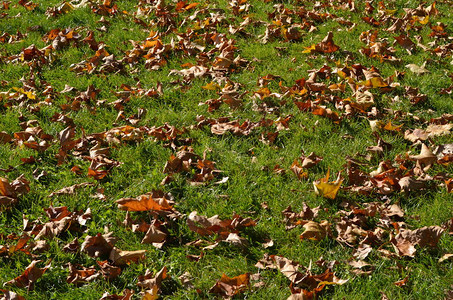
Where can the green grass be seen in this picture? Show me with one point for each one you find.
(247, 161)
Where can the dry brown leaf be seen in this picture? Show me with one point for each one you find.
(327, 45)
(108, 271)
(121, 257)
(127, 294)
(83, 275)
(70, 190)
(315, 231)
(29, 277)
(155, 237)
(227, 287)
(405, 241)
(426, 158)
(186, 280)
(9, 295)
(402, 282)
(150, 282)
(99, 245)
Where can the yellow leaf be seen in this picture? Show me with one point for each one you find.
(327, 189)
(151, 294)
(212, 86)
(390, 127)
(30, 95)
(66, 7)
(374, 82)
(423, 20)
(309, 49)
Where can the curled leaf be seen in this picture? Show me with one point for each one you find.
(328, 189)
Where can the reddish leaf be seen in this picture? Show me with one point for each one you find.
(29, 277)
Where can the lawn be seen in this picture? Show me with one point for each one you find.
(226, 149)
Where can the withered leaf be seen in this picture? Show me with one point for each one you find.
(81, 275)
(71, 189)
(402, 282)
(143, 203)
(150, 282)
(315, 231)
(121, 257)
(72, 247)
(426, 158)
(9, 295)
(227, 287)
(29, 277)
(99, 245)
(325, 46)
(108, 271)
(127, 294)
(154, 236)
(405, 241)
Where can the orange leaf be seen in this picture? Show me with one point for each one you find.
(143, 203)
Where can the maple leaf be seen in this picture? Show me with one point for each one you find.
(419, 70)
(151, 283)
(328, 189)
(426, 158)
(293, 219)
(227, 287)
(80, 276)
(315, 231)
(28, 278)
(143, 203)
(325, 46)
(310, 160)
(10, 191)
(9, 295)
(405, 241)
(6, 188)
(5, 137)
(122, 257)
(154, 236)
(127, 294)
(70, 190)
(98, 245)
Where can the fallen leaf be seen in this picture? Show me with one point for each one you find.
(314, 231)
(150, 282)
(227, 287)
(121, 257)
(327, 45)
(426, 158)
(9, 295)
(99, 245)
(83, 275)
(109, 271)
(127, 294)
(143, 203)
(328, 189)
(402, 282)
(405, 241)
(419, 70)
(29, 277)
(70, 190)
